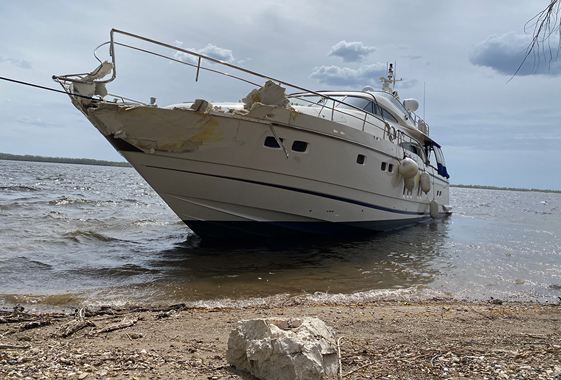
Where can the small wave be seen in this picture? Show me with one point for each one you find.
(22, 265)
(79, 235)
(39, 303)
(144, 222)
(414, 294)
(18, 188)
(64, 200)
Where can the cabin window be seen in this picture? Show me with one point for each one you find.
(383, 167)
(369, 107)
(361, 103)
(360, 159)
(388, 116)
(354, 101)
(378, 110)
(299, 146)
(390, 168)
(410, 147)
(271, 142)
(413, 148)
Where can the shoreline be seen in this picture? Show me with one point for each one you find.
(428, 339)
(63, 302)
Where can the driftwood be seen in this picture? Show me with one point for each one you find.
(126, 322)
(34, 324)
(12, 346)
(28, 326)
(76, 324)
(15, 319)
(115, 311)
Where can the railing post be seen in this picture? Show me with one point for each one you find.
(198, 68)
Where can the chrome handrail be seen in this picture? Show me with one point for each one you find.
(78, 78)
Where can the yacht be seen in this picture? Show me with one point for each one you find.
(310, 162)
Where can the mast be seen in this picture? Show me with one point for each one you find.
(390, 80)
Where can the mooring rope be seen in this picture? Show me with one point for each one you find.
(46, 88)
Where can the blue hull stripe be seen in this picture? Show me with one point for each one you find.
(304, 191)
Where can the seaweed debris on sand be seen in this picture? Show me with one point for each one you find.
(407, 340)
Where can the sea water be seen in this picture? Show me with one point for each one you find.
(79, 234)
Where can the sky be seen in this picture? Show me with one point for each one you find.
(457, 58)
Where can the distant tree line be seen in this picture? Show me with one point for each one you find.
(61, 160)
(504, 188)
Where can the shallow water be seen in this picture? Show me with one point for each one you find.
(73, 234)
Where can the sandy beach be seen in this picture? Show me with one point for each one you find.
(440, 339)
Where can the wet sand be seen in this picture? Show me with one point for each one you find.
(438, 339)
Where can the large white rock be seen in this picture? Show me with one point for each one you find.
(284, 349)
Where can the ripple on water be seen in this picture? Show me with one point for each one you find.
(99, 233)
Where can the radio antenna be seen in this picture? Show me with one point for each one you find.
(424, 99)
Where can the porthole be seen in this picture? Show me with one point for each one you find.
(383, 167)
(360, 159)
(271, 142)
(390, 168)
(299, 146)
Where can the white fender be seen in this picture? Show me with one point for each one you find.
(409, 183)
(408, 168)
(425, 182)
(434, 209)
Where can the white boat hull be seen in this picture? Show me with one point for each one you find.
(213, 201)
(224, 181)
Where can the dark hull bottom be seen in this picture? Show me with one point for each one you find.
(228, 230)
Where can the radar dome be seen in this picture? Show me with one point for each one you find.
(411, 105)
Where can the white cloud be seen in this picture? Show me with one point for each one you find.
(21, 63)
(351, 51)
(505, 53)
(210, 50)
(345, 76)
(36, 121)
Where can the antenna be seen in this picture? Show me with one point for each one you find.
(424, 99)
(394, 65)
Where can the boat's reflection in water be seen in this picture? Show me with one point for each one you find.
(197, 269)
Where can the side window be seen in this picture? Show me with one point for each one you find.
(354, 101)
(413, 148)
(369, 107)
(406, 146)
(388, 116)
(271, 142)
(299, 146)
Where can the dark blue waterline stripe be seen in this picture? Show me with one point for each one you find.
(295, 189)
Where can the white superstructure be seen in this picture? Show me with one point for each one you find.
(312, 162)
